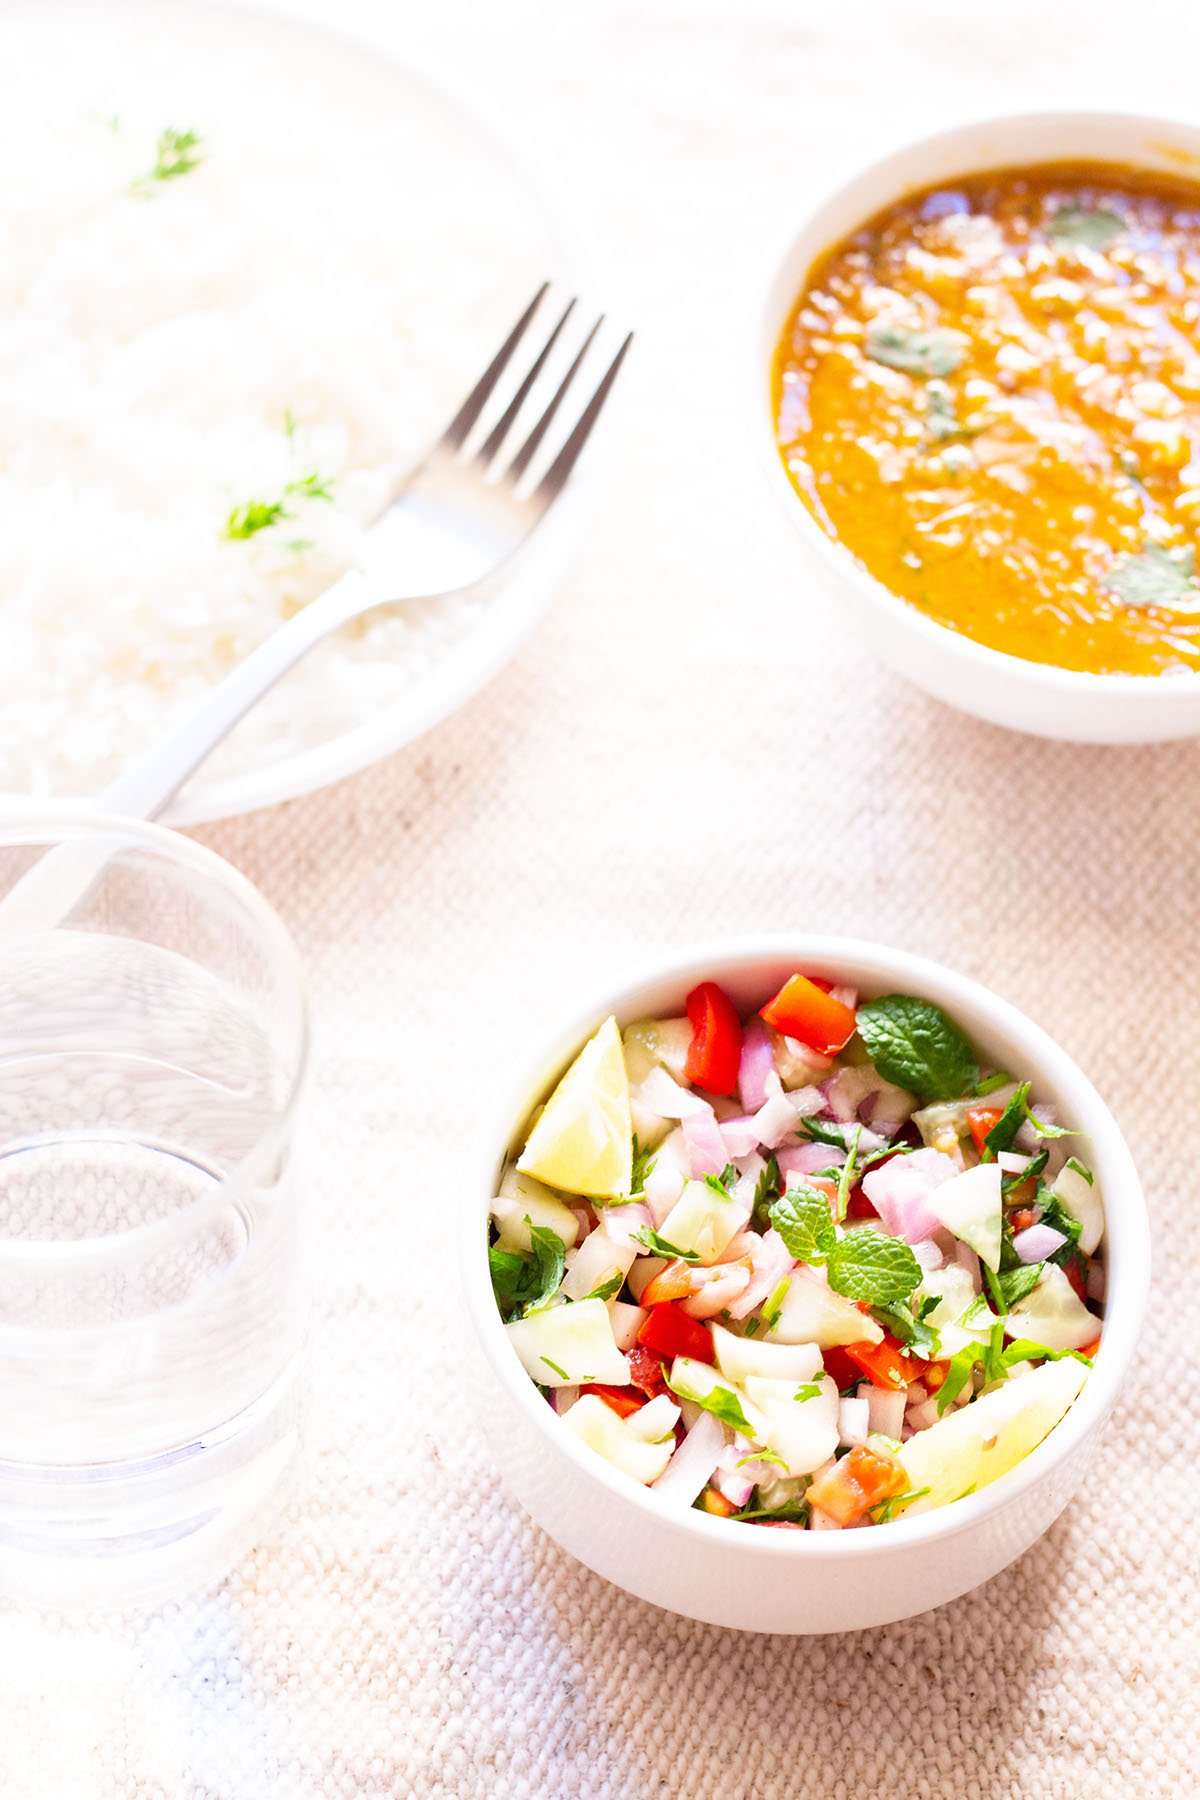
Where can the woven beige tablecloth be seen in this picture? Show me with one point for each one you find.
(693, 745)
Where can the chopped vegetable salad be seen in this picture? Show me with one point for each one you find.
(816, 1268)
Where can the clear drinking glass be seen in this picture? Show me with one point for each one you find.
(152, 1291)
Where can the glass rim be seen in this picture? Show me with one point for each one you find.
(50, 822)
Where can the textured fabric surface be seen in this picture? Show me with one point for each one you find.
(693, 745)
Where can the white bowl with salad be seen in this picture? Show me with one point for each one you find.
(805, 1273)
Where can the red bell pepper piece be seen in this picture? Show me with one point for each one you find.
(886, 1365)
(672, 1332)
(980, 1120)
(646, 1371)
(622, 1401)
(805, 1011)
(715, 1052)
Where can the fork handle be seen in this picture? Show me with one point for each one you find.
(146, 787)
(50, 890)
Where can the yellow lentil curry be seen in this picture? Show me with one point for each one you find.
(990, 395)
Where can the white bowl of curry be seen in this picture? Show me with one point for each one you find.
(983, 415)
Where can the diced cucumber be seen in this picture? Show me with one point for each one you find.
(1053, 1314)
(1081, 1198)
(955, 1294)
(812, 1313)
(670, 1173)
(793, 1423)
(661, 1043)
(626, 1443)
(971, 1206)
(564, 1346)
(702, 1221)
(598, 1259)
(738, 1357)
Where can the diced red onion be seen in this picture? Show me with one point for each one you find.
(923, 1415)
(622, 1221)
(563, 1399)
(740, 1135)
(1011, 1163)
(806, 1102)
(659, 1094)
(693, 1461)
(847, 995)
(806, 1159)
(901, 1192)
(643, 1272)
(885, 1407)
(723, 1285)
(1097, 1279)
(758, 1062)
(854, 1420)
(772, 1261)
(775, 1119)
(705, 1145)
(821, 1521)
(968, 1259)
(1038, 1243)
(928, 1254)
(1027, 1137)
(736, 1485)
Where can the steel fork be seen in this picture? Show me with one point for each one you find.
(454, 520)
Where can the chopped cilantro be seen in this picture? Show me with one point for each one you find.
(176, 153)
(253, 516)
(773, 1304)
(658, 1246)
(1156, 577)
(524, 1281)
(721, 1184)
(990, 1083)
(846, 1177)
(1088, 227)
(921, 353)
(558, 1370)
(770, 1180)
(607, 1289)
(1013, 1284)
(810, 1390)
(721, 1401)
(884, 1510)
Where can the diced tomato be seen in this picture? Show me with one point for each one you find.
(1022, 1219)
(713, 1502)
(1089, 1350)
(622, 1401)
(858, 1206)
(886, 1365)
(646, 1371)
(933, 1375)
(838, 1365)
(670, 1331)
(805, 1011)
(981, 1120)
(715, 1052)
(1075, 1270)
(861, 1480)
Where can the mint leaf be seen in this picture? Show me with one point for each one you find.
(1093, 228)
(804, 1220)
(913, 1044)
(867, 1265)
(524, 1282)
(921, 353)
(649, 1239)
(1155, 577)
(721, 1400)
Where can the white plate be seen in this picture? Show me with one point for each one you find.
(461, 142)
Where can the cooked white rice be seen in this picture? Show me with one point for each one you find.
(311, 299)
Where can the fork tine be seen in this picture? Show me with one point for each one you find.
(475, 401)
(554, 478)
(501, 430)
(528, 450)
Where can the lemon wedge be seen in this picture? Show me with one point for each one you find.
(970, 1448)
(583, 1139)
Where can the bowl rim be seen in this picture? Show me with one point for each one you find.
(1111, 1159)
(940, 639)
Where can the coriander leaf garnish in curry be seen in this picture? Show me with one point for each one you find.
(990, 395)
